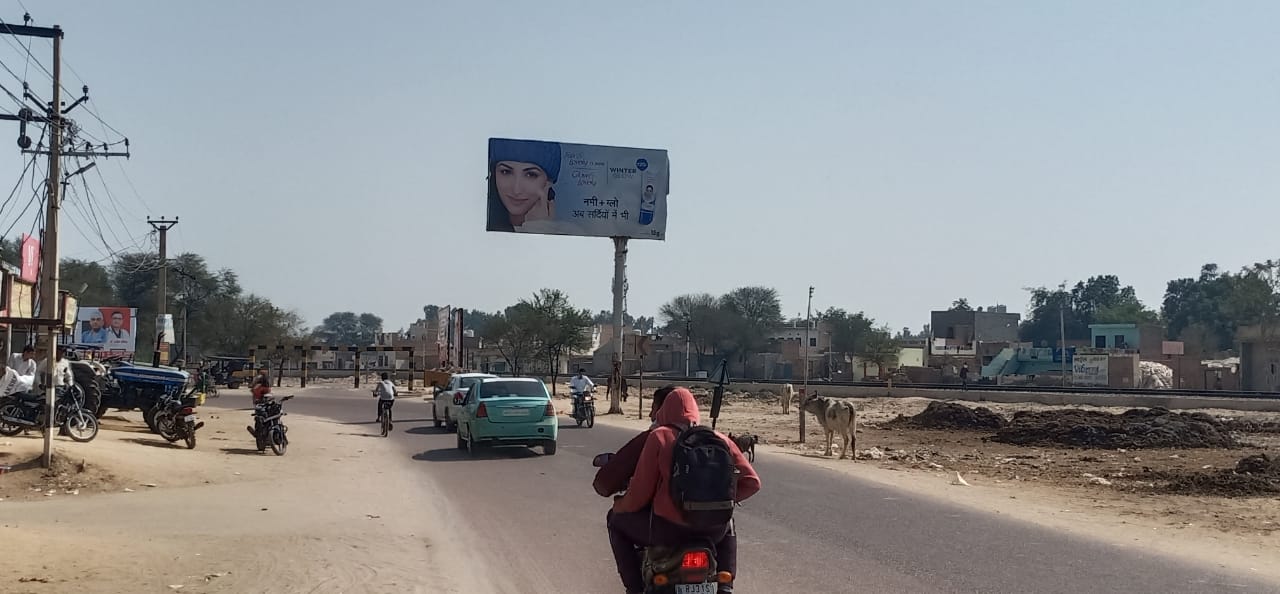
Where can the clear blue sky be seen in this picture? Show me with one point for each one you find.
(896, 155)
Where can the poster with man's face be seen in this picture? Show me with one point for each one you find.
(109, 328)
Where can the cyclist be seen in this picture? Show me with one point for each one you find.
(386, 393)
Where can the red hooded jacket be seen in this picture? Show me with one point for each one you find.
(651, 484)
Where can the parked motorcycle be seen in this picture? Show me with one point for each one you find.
(267, 430)
(176, 419)
(584, 408)
(26, 410)
(689, 568)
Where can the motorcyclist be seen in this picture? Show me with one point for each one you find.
(261, 386)
(614, 475)
(386, 393)
(580, 384)
(647, 514)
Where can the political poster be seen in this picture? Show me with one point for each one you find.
(556, 188)
(111, 329)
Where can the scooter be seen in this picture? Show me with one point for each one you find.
(584, 408)
(689, 568)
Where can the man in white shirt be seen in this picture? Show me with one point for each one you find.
(579, 385)
(386, 393)
(62, 375)
(24, 363)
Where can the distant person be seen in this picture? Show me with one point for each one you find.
(62, 376)
(24, 363)
(97, 331)
(964, 375)
(261, 386)
(386, 393)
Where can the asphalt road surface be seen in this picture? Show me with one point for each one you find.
(540, 526)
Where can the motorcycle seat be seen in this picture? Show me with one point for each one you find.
(29, 396)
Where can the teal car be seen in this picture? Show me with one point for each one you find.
(507, 411)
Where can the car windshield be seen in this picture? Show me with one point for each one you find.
(526, 389)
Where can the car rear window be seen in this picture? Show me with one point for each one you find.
(467, 382)
(506, 388)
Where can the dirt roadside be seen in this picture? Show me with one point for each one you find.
(1094, 493)
(131, 513)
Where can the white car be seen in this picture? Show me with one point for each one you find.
(444, 407)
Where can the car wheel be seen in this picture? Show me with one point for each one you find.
(548, 448)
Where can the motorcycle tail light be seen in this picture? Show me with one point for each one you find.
(695, 560)
(188, 410)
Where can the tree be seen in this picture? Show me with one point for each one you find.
(93, 277)
(11, 251)
(431, 312)
(1081, 306)
(848, 332)
(703, 316)
(881, 348)
(1209, 309)
(752, 313)
(515, 334)
(560, 329)
(478, 321)
(369, 327)
(960, 304)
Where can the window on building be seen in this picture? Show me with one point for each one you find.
(1120, 344)
(1100, 342)
(813, 342)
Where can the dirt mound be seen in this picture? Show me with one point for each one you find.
(1254, 476)
(948, 415)
(1247, 426)
(1133, 429)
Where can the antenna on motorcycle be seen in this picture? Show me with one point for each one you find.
(719, 376)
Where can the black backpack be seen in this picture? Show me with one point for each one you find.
(704, 479)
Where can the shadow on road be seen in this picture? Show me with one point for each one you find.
(377, 435)
(155, 443)
(426, 430)
(456, 455)
(241, 451)
(394, 420)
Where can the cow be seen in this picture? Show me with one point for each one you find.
(836, 415)
(746, 443)
(788, 393)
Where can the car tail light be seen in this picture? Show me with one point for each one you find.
(482, 412)
(550, 411)
(695, 560)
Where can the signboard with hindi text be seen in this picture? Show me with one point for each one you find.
(557, 188)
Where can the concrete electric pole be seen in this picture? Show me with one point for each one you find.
(162, 300)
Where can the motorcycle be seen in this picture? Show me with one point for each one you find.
(584, 408)
(175, 418)
(689, 568)
(26, 410)
(267, 428)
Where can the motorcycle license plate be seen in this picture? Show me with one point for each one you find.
(189, 418)
(695, 589)
(515, 412)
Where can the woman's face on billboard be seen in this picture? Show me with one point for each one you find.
(521, 186)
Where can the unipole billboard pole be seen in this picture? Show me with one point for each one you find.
(619, 291)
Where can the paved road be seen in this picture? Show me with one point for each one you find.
(808, 530)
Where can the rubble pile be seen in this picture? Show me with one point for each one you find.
(1254, 476)
(948, 415)
(1133, 429)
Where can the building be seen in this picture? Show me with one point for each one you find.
(1146, 339)
(958, 336)
(1259, 358)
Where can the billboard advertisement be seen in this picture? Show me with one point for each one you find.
(442, 326)
(556, 188)
(30, 269)
(109, 328)
(1091, 370)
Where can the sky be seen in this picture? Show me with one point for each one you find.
(894, 155)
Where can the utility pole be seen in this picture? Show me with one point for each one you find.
(1062, 329)
(163, 226)
(804, 392)
(49, 293)
(688, 323)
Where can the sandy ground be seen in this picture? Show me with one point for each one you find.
(1049, 486)
(337, 513)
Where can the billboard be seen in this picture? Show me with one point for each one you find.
(1091, 370)
(110, 328)
(30, 269)
(442, 326)
(556, 188)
